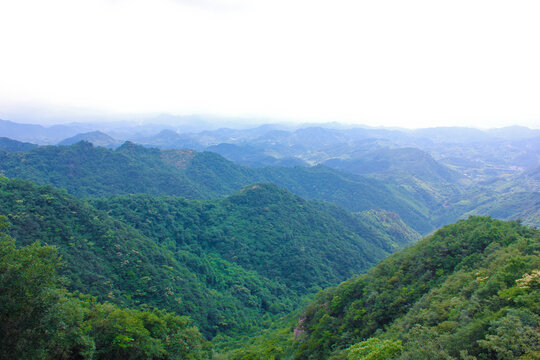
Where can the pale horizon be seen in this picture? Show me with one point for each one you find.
(412, 64)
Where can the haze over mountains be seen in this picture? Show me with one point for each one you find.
(449, 172)
(238, 229)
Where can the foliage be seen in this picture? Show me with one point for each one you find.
(261, 228)
(10, 145)
(233, 265)
(469, 291)
(27, 299)
(88, 171)
(375, 349)
(115, 262)
(40, 320)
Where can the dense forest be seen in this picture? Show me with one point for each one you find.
(232, 265)
(469, 291)
(88, 171)
(41, 320)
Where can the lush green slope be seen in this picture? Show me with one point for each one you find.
(232, 264)
(111, 260)
(261, 228)
(430, 181)
(392, 225)
(40, 320)
(469, 291)
(353, 192)
(87, 171)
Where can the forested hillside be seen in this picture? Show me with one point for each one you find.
(40, 320)
(262, 228)
(231, 264)
(88, 171)
(469, 291)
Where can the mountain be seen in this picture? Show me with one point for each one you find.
(10, 145)
(169, 139)
(232, 265)
(469, 291)
(452, 134)
(524, 206)
(85, 170)
(409, 182)
(477, 154)
(252, 156)
(384, 162)
(97, 138)
(514, 132)
(410, 168)
(104, 257)
(307, 243)
(88, 171)
(39, 134)
(354, 193)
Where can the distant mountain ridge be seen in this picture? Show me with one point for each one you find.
(97, 138)
(10, 145)
(438, 174)
(88, 171)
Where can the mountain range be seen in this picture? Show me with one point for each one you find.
(269, 243)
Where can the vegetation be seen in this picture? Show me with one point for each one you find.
(469, 291)
(261, 228)
(114, 262)
(125, 262)
(40, 320)
(10, 145)
(233, 265)
(88, 171)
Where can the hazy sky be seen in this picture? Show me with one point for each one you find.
(393, 63)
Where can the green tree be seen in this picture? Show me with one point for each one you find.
(375, 349)
(28, 299)
(514, 336)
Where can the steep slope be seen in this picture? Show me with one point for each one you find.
(40, 320)
(261, 228)
(232, 265)
(391, 224)
(114, 262)
(469, 291)
(353, 192)
(411, 168)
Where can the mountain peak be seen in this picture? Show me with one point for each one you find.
(97, 138)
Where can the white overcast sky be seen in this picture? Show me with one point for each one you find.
(390, 63)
